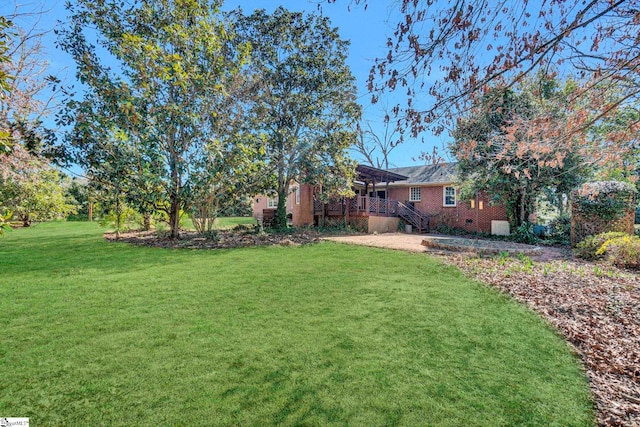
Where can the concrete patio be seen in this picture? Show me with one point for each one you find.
(437, 242)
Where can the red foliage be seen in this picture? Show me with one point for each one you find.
(453, 51)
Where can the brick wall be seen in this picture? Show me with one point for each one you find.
(259, 203)
(302, 213)
(475, 219)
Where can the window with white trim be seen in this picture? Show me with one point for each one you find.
(297, 195)
(414, 194)
(272, 202)
(449, 196)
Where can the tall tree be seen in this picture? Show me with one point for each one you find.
(172, 61)
(4, 89)
(445, 55)
(228, 171)
(504, 146)
(27, 97)
(306, 100)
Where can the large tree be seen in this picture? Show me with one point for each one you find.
(4, 89)
(305, 105)
(27, 97)
(167, 67)
(513, 145)
(445, 55)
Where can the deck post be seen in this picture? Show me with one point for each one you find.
(386, 192)
(346, 213)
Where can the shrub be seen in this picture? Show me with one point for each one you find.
(524, 234)
(213, 235)
(622, 251)
(4, 222)
(619, 249)
(244, 228)
(443, 229)
(588, 247)
(600, 207)
(122, 219)
(560, 227)
(606, 200)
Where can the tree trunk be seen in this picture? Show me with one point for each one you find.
(174, 199)
(562, 207)
(523, 201)
(118, 218)
(174, 215)
(146, 221)
(280, 221)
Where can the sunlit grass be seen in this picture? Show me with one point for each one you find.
(97, 333)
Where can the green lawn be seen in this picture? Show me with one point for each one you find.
(98, 333)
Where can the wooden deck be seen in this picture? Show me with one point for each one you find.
(366, 206)
(357, 206)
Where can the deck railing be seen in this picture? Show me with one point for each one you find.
(413, 216)
(373, 206)
(359, 205)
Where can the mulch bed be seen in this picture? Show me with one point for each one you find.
(594, 306)
(224, 240)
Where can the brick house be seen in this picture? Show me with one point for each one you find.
(299, 204)
(424, 196)
(431, 189)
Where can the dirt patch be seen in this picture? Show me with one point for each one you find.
(399, 241)
(452, 244)
(224, 239)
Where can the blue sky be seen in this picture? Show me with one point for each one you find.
(366, 29)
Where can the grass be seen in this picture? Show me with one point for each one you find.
(97, 333)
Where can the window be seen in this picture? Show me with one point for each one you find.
(297, 195)
(414, 194)
(449, 196)
(272, 202)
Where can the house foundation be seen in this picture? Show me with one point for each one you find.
(383, 224)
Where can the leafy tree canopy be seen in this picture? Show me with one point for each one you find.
(164, 104)
(305, 108)
(446, 55)
(513, 145)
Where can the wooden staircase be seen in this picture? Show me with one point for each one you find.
(419, 220)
